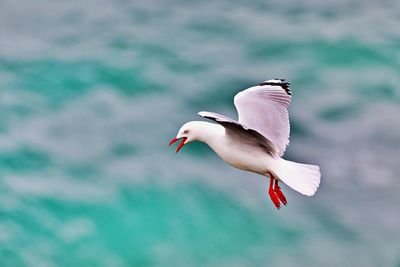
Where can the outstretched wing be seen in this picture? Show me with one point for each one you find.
(264, 108)
(240, 132)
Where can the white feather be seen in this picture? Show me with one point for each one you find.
(303, 178)
(264, 109)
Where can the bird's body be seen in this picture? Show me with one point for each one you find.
(257, 141)
(232, 150)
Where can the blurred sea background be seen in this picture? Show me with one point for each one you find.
(92, 91)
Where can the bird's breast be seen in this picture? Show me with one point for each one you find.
(242, 156)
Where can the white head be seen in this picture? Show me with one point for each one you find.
(191, 131)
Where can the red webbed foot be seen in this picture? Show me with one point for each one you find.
(272, 194)
(279, 193)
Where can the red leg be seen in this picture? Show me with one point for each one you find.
(279, 193)
(272, 193)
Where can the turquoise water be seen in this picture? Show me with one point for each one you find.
(91, 93)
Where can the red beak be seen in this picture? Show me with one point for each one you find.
(180, 145)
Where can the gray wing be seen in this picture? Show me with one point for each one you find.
(264, 108)
(237, 130)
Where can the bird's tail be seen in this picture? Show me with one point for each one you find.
(303, 178)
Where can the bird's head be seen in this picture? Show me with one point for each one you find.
(189, 132)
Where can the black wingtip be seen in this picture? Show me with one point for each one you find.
(278, 82)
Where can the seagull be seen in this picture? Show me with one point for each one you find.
(256, 141)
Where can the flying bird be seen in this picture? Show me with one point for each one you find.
(256, 141)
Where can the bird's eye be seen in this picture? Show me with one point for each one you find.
(186, 131)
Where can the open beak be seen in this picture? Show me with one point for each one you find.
(180, 145)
